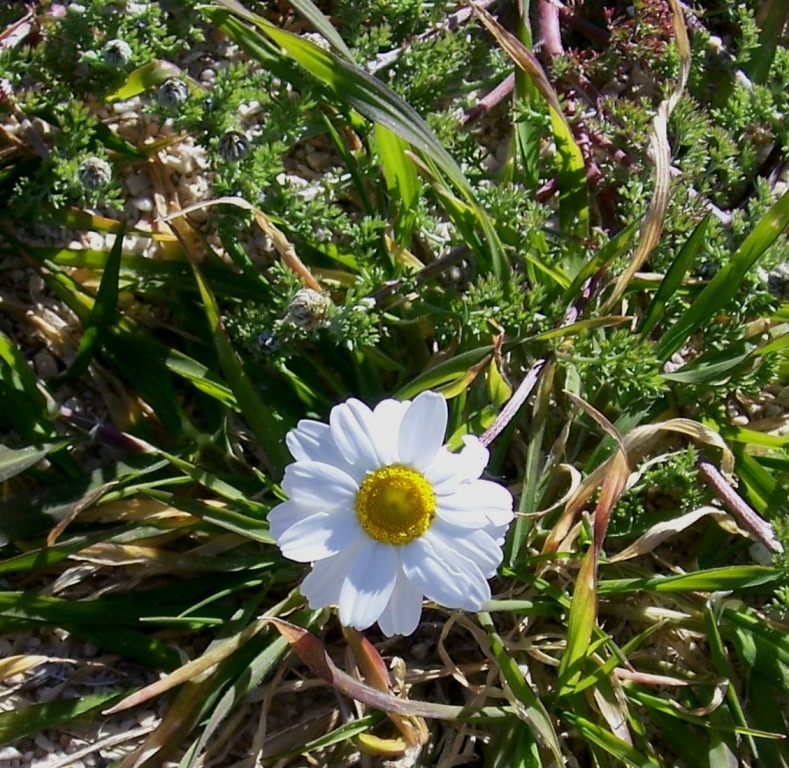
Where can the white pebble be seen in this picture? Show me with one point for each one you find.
(142, 203)
(175, 162)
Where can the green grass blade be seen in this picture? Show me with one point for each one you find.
(377, 102)
(571, 168)
(725, 670)
(673, 278)
(774, 15)
(580, 625)
(612, 250)
(528, 130)
(711, 580)
(724, 286)
(614, 746)
(764, 491)
(14, 461)
(103, 312)
(532, 709)
(142, 79)
(36, 718)
(267, 429)
(402, 182)
(26, 403)
(316, 17)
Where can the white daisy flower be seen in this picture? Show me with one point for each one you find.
(388, 515)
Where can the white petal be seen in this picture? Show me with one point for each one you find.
(404, 609)
(323, 583)
(448, 470)
(352, 427)
(369, 585)
(476, 505)
(319, 536)
(321, 485)
(281, 517)
(444, 576)
(388, 416)
(477, 545)
(422, 430)
(312, 441)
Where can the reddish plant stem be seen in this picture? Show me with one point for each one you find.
(749, 519)
(491, 99)
(549, 28)
(596, 34)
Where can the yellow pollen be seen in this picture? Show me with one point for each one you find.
(395, 504)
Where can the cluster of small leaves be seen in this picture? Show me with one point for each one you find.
(371, 27)
(484, 309)
(616, 369)
(66, 175)
(278, 328)
(94, 44)
(666, 490)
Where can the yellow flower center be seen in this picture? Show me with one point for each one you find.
(395, 504)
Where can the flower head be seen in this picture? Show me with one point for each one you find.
(388, 515)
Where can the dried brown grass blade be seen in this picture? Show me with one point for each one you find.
(652, 226)
(281, 243)
(637, 443)
(18, 665)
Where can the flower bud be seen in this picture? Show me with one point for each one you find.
(117, 53)
(308, 309)
(94, 173)
(233, 146)
(172, 93)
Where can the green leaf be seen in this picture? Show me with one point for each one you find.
(612, 250)
(580, 625)
(764, 491)
(773, 15)
(315, 16)
(102, 314)
(443, 373)
(711, 580)
(14, 461)
(532, 710)
(377, 102)
(143, 78)
(402, 182)
(613, 745)
(25, 402)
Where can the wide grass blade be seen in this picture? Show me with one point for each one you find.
(28, 721)
(673, 279)
(260, 417)
(710, 580)
(316, 17)
(373, 99)
(402, 182)
(142, 79)
(724, 286)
